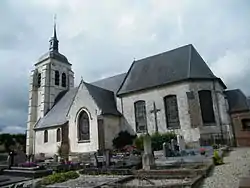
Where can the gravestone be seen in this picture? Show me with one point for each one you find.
(181, 142)
(107, 157)
(19, 157)
(55, 158)
(166, 149)
(174, 146)
(147, 158)
(10, 160)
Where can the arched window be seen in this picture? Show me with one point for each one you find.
(57, 78)
(63, 80)
(171, 112)
(45, 136)
(206, 105)
(140, 116)
(39, 80)
(58, 135)
(83, 126)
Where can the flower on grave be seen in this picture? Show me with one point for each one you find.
(29, 164)
(202, 151)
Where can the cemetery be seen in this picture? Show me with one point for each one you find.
(141, 164)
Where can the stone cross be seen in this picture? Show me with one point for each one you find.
(147, 158)
(155, 111)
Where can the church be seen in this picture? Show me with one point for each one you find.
(171, 91)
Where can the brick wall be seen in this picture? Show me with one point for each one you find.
(242, 136)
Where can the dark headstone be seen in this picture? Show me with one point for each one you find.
(19, 157)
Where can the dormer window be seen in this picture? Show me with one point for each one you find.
(57, 78)
(63, 80)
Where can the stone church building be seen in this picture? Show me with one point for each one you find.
(171, 91)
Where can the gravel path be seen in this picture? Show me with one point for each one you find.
(237, 165)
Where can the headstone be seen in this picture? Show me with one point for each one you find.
(55, 158)
(11, 159)
(107, 157)
(181, 142)
(166, 148)
(19, 157)
(147, 158)
(173, 145)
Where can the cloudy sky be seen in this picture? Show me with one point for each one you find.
(102, 37)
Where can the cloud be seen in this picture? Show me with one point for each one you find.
(13, 129)
(234, 68)
(102, 38)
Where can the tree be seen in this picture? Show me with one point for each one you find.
(157, 140)
(124, 138)
(7, 140)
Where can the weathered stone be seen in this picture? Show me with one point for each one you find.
(147, 158)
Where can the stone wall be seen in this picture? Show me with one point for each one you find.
(220, 108)
(83, 101)
(188, 106)
(111, 128)
(49, 148)
(157, 95)
(42, 98)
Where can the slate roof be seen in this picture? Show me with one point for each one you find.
(112, 83)
(176, 65)
(58, 113)
(104, 99)
(237, 100)
(54, 55)
(248, 101)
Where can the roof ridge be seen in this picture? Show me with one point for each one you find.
(125, 78)
(189, 61)
(151, 56)
(108, 77)
(73, 99)
(98, 87)
(85, 83)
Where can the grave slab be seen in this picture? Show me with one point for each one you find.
(9, 180)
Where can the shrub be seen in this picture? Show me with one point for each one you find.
(139, 142)
(217, 159)
(71, 175)
(124, 138)
(59, 177)
(157, 140)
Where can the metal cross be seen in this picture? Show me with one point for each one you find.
(54, 19)
(155, 111)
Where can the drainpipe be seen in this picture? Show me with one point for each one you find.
(233, 131)
(218, 108)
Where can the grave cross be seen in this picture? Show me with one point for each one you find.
(155, 111)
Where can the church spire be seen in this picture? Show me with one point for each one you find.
(53, 41)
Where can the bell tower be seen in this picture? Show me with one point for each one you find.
(52, 75)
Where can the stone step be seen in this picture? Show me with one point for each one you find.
(27, 173)
(9, 180)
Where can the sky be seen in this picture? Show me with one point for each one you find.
(101, 38)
